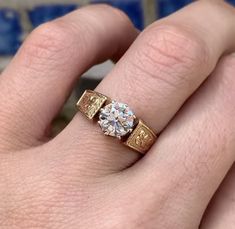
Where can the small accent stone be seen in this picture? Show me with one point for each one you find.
(116, 119)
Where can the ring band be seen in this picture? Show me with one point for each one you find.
(117, 120)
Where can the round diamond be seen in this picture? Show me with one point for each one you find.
(116, 119)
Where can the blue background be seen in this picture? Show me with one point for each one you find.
(11, 31)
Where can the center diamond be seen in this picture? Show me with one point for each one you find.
(116, 119)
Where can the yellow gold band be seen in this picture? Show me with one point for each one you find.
(139, 138)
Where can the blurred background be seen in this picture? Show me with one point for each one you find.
(19, 17)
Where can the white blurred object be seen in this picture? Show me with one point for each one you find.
(96, 72)
(4, 61)
(99, 71)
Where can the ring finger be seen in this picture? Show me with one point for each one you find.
(165, 65)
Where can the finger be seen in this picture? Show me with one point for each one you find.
(39, 79)
(163, 67)
(195, 151)
(220, 213)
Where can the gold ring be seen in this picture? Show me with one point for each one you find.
(117, 120)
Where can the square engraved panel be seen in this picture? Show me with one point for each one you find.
(90, 103)
(142, 138)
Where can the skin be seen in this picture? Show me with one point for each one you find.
(177, 75)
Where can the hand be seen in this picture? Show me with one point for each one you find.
(172, 76)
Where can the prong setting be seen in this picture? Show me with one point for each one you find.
(116, 119)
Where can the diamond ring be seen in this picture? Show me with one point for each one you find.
(117, 120)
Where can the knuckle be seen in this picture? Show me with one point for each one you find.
(173, 49)
(177, 43)
(48, 42)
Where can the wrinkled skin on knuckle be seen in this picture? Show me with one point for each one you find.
(45, 48)
(170, 52)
